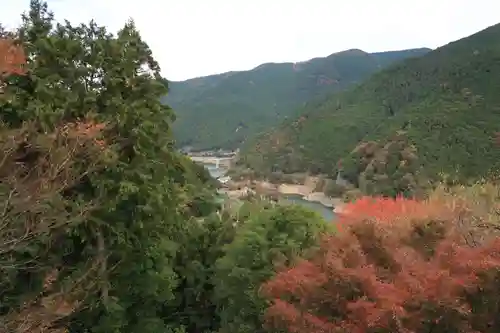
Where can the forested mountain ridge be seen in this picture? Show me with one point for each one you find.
(226, 109)
(446, 102)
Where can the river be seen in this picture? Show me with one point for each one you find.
(214, 171)
(326, 212)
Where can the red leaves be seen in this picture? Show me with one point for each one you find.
(385, 209)
(398, 266)
(299, 279)
(12, 58)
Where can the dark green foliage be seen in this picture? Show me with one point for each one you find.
(144, 197)
(194, 306)
(334, 190)
(447, 101)
(221, 111)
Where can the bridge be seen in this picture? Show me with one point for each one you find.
(217, 161)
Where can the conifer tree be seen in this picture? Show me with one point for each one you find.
(85, 72)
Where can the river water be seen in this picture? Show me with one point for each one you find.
(214, 171)
(326, 212)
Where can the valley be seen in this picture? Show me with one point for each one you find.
(399, 131)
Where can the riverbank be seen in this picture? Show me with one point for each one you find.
(305, 192)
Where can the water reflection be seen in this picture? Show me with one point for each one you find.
(214, 171)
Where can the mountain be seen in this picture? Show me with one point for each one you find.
(446, 103)
(223, 110)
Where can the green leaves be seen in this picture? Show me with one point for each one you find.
(127, 188)
(269, 240)
(82, 72)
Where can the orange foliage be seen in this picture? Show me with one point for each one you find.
(12, 58)
(389, 210)
(398, 265)
(88, 129)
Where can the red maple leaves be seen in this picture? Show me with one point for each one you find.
(397, 265)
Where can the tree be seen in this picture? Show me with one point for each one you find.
(195, 264)
(272, 238)
(39, 286)
(400, 266)
(84, 72)
(40, 283)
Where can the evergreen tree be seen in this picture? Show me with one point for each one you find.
(203, 243)
(84, 72)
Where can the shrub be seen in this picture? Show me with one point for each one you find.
(351, 195)
(396, 265)
(321, 184)
(275, 177)
(479, 206)
(335, 190)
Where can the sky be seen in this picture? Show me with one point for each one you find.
(192, 38)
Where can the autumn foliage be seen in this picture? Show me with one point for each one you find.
(12, 58)
(387, 210)
(36, 170)
(396, 265)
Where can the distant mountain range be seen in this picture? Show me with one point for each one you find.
(446, 103)
(222, 111)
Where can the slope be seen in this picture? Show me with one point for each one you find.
(223, 110)
(446, 101)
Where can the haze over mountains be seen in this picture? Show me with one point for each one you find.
(446, 103)
(222, 111)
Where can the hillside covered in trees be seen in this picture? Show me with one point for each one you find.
(445, 103)
(221, 111)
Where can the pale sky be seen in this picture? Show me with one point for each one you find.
(192, 38)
